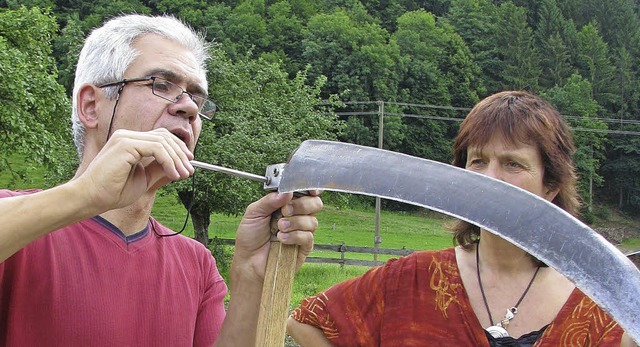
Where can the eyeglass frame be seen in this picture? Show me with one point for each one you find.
(153, 91)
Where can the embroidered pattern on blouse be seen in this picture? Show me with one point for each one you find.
(441, 271)
(314, 306)
(586, 316)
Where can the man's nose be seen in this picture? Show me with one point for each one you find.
(186, 107)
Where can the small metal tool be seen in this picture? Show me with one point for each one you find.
(231, 172)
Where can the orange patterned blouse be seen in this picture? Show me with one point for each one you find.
(419, 300)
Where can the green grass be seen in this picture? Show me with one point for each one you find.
(630, 245)
(313, 278)
(355, 228)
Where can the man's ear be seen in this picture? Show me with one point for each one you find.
(87, 101)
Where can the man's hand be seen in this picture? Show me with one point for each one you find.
(297, 225)
(133, 163)
(130, 165)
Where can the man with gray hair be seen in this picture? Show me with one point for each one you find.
(84, 263)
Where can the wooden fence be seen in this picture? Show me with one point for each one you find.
(343, 249)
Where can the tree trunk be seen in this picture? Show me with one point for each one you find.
(200, 226)
(620, 198)
(200, 217)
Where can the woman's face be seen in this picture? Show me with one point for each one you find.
(520, 164)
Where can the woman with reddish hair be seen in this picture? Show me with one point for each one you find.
(485, 291)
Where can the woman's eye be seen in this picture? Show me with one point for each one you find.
(475, 162)
(513, 164)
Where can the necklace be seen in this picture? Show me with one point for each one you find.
(500, 329)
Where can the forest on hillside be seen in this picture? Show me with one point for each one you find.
(321, 69)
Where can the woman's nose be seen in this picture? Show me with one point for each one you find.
(493, 170)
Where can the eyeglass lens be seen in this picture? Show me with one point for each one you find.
(172, 92)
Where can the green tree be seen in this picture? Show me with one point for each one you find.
(246, 29)
(618, 20)
(185, 9)
(353, 52)
(555, 54)
(66, 49)
(531, 9)
(263, 117)
(16, 4)
(626, 88)
(520, 58)
(574, 100)
(94, 13)
(622, 168)
(213, 24)
(477, 22)
(622, 171)
(594, 64)
(434, 56)
(571, 9)
(388, 11)
(285, 28)
(34, 119)
(458, 65)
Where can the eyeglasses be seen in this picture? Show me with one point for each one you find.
(172, 92)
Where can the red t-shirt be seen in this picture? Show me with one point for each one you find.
(88, 285)
(419, 300)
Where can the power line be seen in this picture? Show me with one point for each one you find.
(606, 120)
(457, 119)
(607, 131)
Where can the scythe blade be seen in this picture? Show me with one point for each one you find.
(535, 225)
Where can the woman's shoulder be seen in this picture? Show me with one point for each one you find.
(419, 261)
(427, 256)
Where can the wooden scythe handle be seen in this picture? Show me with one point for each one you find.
(276, 291)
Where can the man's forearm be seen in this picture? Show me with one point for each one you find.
(239, 326)
(25, 218)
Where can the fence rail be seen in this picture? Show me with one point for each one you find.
(342, 249)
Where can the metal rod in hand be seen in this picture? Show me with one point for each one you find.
(228, 171)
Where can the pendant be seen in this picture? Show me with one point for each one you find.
(511, 313)
(497, 331)
(507, 317)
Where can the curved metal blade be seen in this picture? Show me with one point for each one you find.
(540, 228)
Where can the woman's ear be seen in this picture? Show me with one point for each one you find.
(87, 111)
(550, 194)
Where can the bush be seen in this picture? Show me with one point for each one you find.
(223, 255)
(588, 217)
(602, 212)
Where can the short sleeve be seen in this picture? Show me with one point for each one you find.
(349, 313)
(211, 312)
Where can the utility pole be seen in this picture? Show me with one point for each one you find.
(378, 239)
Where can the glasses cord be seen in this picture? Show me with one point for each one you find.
(186, 218)
(113, 114)
(193, 177)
